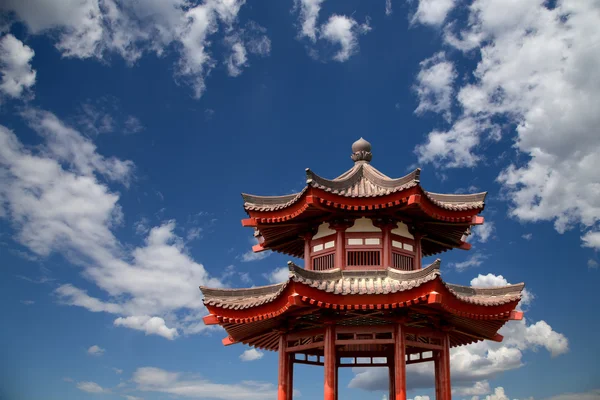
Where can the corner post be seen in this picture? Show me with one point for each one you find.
(445, 384)
(282, 388)
(340, 227)
(418, 251)
(330, 361)
(399, 363)
(290, 371)
(437, 367)
(386, 225)
(307, 258)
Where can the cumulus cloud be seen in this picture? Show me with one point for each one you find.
(434, 85)
(432, 12)
(102, 28)
(309, 12)
(151, 379)
(491, 280)
(95, 350)
(343, 31)
(474, 365)
(339, 30)
(251, 355)
(91, 387)
(57, 202)
(150, 325)
(475, 260)
(15, 67)
(537, 79)
(388, 7)
(252, 256)
(278, 275)
(481, 233)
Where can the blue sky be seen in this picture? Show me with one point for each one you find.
(129, 129)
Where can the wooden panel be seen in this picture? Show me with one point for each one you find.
(324, 262)
(401, 261)
(363, 258)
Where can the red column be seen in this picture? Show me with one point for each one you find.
(282, 389)
(386, 225)
(290, 371)
(437, 367)
(329, 352)
(418, 252)
(445, 384)
(307, 259)
(340, 227)
(399, 363)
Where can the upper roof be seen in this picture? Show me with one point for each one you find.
(362, 190)
(363, 180)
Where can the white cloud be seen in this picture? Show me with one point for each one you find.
(193, 233)
(56, 203)
(478, 388)
(237, 59)
(343, 31)
(150, 325)
(309, 12)
(388, 7)
(434, 85)
(491, 280)
(27, 302)
(592, 264)
(118, 371)
(527, 236)
(539, 70)
(473, 365)
(95, 350)
(157, 380)
(252, 256)
(454, 147)
(15, 67)
(251, 355)
(481, 233)
(91, 387)
(432, 12)
(133, 124)
(278, 275)
(475, 260)
(100, 28)
(129, 397)
(497, 395)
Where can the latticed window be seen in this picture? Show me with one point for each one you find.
(323, 262)
(364, 258)
(402, 262)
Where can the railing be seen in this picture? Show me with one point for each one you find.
(324, 262)
(363, 258)
(402, 262)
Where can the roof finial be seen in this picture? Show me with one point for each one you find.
(361, 151)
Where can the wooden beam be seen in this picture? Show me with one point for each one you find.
(399, 363)
(228, 341)
(363, 341)
(251, 222)
(282, 389)
(305, 333)
(302, 347)
(422, 345)
(210, 319)
(516, 315)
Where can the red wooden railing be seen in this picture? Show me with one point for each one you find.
(402, 262)
(363, 258)
(324, 262)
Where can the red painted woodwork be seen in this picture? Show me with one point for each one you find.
(399, 363)
(290, 373)
(418, 251)
(330, 357)
(391, 369)
(282, 389)
(419, 294)
(445, 387)
(437, 365)
(307, 258)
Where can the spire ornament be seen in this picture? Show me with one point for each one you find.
(361, 151)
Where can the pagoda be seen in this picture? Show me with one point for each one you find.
(362, 299)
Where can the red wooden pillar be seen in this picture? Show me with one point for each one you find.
(307, 259)
(386, 225)
(399, 363)
(340, 227)
(418, 252)
(330, 361)
(282, 389)
(290, 371)
(445, 384)
(437, 367)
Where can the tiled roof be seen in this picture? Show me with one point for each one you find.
(360, 181)
(345, 282)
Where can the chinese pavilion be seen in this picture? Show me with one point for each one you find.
(363, 293)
